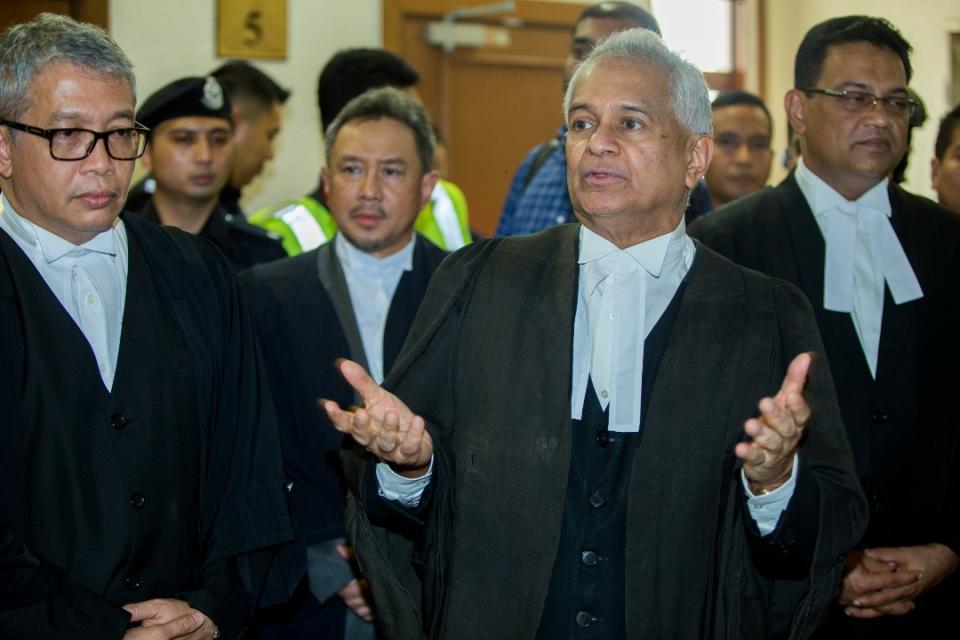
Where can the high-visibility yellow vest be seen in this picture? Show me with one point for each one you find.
(304, 223)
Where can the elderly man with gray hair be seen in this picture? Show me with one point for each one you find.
(139, 456)
(571, 445)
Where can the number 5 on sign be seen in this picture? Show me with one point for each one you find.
(252, 28)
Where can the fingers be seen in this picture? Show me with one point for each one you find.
(790, 395)
(866, 584)
(354, 596)
(185, 624)
(415, 439)
(895, 609)
(359, 379)
(752, 456)
(140, 611)
(388, 437)
(796, 377)
(342, 420)
(176, 628)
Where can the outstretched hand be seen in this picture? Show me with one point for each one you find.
(385, 426)
(776, 433)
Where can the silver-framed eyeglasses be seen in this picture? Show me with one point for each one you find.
(859, 101)
(125, 143)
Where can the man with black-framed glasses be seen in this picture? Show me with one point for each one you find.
(879, 266)
(139, 455)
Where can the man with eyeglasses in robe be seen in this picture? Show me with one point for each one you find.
(879, 266)
(139, 454)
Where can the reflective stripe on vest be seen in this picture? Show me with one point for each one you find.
(304, 226)
(445, 217)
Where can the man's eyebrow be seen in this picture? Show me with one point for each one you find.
(60, 116)
(860, 86)
(635, 108)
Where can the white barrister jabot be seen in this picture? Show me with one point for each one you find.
(862, 254)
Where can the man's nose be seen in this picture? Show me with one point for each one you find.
(99, 159)
(202, 150)
(602, 140)
(371, 185)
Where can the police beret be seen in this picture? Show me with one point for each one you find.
(195, 96)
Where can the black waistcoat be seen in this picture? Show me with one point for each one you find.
(113, 476)
(587, 587)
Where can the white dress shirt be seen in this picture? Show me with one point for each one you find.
(372, 281)
(621, 296)
(862, 254)
(664, 261)
(89, 280)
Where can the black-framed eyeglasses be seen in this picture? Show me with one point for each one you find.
(125, 143)
(859, 101)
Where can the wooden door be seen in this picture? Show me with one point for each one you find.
(14, 11)
(492, 103)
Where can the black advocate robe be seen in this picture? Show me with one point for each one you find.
(903, 425)
(304, 320)
(488, 365)
(241, 506)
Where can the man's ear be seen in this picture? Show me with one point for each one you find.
(6, 152)
(325, 182)
(934, 172)
(145, 160)
(427, 183)
(795, 104)
(699, 156)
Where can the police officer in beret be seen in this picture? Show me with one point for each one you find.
(190, 155)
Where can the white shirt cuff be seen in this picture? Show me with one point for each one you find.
(767, 509)
(398, 488)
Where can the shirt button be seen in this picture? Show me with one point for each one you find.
(604, 394)
(133, 583)
(588, 558)
(603, 438)
(584, 619)
(880, 417)
(118, 421)
(561, 219)
(137, 501)
(597, 499)
(90, 298)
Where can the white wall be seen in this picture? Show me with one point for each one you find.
(170, 39)
(925, 24)
(317, 28)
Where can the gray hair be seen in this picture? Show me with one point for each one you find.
(689, 95)
(387, 102)
(26, 49)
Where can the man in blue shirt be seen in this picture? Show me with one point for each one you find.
(538, 194)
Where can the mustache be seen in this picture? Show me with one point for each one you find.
(363, 210)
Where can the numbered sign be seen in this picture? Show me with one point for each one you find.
(252, 28)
